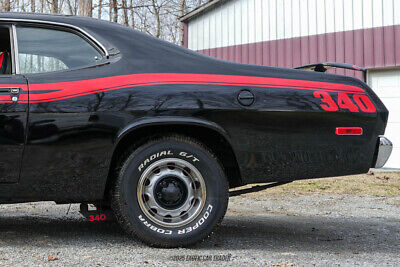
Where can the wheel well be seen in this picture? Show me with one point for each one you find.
(211, 138)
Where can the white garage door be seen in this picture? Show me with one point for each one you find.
(386, 84)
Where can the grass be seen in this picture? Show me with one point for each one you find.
(379, 184)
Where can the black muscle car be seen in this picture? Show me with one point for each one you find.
(96, 113)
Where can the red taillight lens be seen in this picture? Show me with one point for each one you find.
(349, 131)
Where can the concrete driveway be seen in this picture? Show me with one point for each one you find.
(317, 229)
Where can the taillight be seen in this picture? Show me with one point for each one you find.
(349, 131)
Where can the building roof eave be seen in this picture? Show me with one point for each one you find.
(201, 9)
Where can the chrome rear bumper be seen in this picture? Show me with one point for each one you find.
(384, 150)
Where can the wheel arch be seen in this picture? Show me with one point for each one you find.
(209, 133)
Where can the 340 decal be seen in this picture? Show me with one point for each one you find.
(98, 217)
(354, 103)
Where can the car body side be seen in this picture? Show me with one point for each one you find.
(150, 87)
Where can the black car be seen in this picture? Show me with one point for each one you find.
(96, 113)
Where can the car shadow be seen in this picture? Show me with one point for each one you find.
(271, 232)
(14, 230)
(296, 233)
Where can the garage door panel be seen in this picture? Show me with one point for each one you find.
(393, 105)
(386, 84)
(394, 159)
(383, 92)
(392, 132)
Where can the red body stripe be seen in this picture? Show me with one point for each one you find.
(85, 87)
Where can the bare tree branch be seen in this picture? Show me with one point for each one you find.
(125, 13)
(100, 9)
(85, 8)
(115, 10)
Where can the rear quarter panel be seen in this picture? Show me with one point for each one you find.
(286, 135)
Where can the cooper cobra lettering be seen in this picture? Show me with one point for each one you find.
(154, 228)
(198, 223)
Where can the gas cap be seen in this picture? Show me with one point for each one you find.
(245, 97)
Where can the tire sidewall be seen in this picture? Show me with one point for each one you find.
(214, 179)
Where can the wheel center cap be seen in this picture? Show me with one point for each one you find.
(170, 192)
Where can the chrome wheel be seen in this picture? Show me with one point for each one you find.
(171, 192)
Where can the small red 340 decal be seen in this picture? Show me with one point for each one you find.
(344, 101)
(98, 218)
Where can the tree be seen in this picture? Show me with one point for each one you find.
(182, 11)
(100, 9)
(115, 10)
(125, 13)
(41, 6)
(159, 18)
(73, 7)
(54, 6)
(85, 8)
(33, 6)
(6, 6)
(132, 14)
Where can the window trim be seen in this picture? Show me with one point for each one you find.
(65, 26)
(14, 47)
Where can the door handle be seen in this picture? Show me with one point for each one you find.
(13, 91)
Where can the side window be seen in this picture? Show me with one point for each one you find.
(43, 50)
(5, 51)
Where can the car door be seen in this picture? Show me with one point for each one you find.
(68, 136)
(13, 110)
